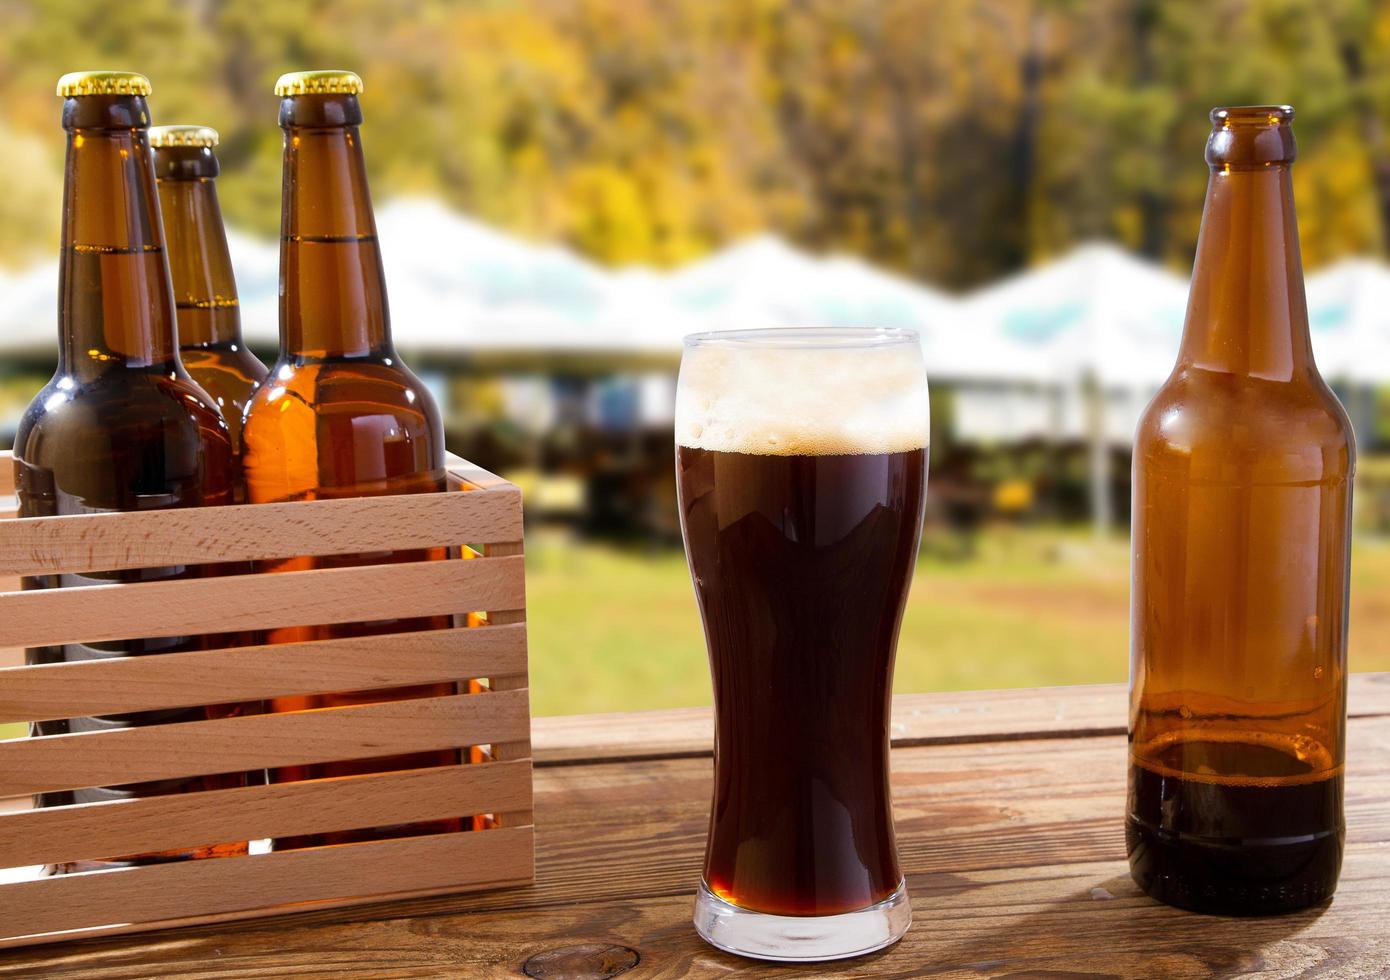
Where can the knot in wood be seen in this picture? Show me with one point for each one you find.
(588, 961)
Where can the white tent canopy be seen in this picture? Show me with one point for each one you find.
(457, 286)
(1096, 314)
(1349, 320)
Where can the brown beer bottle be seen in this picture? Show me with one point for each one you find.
(205, 295)
(1241, 540)
(121, 426)
(339, 414)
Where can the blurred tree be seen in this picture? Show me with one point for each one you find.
(952, 139)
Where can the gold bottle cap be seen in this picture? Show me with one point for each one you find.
(103, 83)
(194, 136)
(320, 82)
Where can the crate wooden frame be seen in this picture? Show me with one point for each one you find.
(482, 512)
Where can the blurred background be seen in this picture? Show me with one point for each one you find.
(565, 187)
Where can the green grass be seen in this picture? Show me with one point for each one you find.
(614, 630)
(617, 630)
(611, 630)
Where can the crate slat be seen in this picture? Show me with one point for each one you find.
(92, 831)
(466, 476)
(173, 751)
(175, 680)
(487, 516)
(199, 535)
(521, 748)
(488, 858)
(228, 603)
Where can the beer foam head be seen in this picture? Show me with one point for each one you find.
(803, 393)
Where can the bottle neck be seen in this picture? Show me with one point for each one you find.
(115, 303)
(1246, 313)
(204, 287)
(332, 287)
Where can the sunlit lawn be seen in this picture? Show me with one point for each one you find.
(616, 629)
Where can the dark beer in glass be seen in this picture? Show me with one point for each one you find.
(802, 466)
(1241, 540)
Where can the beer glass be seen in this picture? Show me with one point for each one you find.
(801, 459)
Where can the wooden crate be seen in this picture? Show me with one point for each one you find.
(485, 517)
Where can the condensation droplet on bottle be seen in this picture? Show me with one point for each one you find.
(1185, 711)
(1317, 671)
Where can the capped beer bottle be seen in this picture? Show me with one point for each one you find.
(339, 414)
(205, 296)
(1241, 540)
(121, 426)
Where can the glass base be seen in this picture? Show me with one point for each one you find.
(794, 938)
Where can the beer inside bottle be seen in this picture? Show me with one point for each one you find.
(121, 426)
(205, 296)
(339, 415)
(1241, 539)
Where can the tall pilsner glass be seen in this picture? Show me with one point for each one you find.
(801, 459)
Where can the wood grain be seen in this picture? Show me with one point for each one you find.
(189, 820)
(520, 748)
(103, 687)
(193, 536)
(918, 719)
(229, 603)
(1072, 920)
(80, 901)
(173, 751)
(1013, 850)
(131, 899)
(468, 476)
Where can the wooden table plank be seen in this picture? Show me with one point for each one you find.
(1013, 849)
(918, 719)
(1074, 920)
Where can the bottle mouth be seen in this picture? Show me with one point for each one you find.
(1251, 116)
(320, 110)
(185, 163)
(102, 111)
(1251, 137)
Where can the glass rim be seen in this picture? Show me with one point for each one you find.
(806, 338)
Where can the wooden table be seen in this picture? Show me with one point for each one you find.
(1009, 821)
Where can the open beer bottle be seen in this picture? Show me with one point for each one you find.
(209, 318)
(339, 414)
(1241, 539)
(121, 426)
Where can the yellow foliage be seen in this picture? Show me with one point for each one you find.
(1332, 185)
(955, 139)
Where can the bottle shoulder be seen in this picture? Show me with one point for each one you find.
(338, 387)
(126, 440)
(1211, 416)
(131, 407)
(232, 361)
(341, 428)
